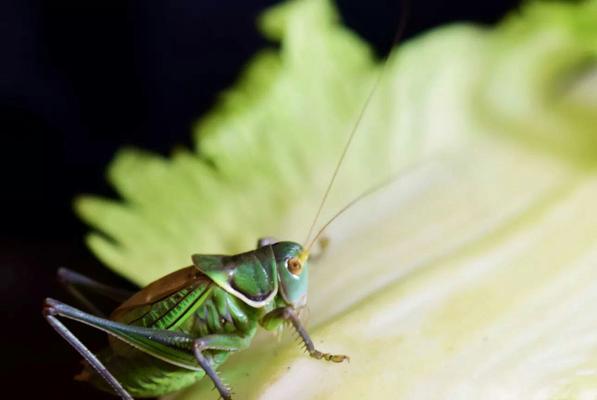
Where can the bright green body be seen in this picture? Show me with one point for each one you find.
(220, 298)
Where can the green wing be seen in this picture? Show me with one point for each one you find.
(151, 320)
(168, 302)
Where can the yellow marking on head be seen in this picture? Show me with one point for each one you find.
(303, 256)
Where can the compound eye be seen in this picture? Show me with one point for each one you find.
(294, 266)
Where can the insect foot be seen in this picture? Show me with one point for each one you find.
(289, 315)
(337, 358)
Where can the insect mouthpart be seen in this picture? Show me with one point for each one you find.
(300, 304)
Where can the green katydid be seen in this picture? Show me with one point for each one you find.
(183, 326)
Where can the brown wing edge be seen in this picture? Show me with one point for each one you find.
(160, 289)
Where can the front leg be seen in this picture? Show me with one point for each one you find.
(289, 315)
(223, 342)
(271, 320)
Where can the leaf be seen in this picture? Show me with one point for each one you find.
(473, 275)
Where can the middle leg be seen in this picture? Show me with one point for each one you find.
(222, 342)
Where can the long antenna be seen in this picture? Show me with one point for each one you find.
(370, 191)
(397, 36)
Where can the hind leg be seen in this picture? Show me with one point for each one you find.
(50, 314)
(73, 282)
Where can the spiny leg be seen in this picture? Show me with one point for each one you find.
(152, 341)
(175, 347)
(224, 342)
(211, 372)
(289, 315)
(170, 346)
(50, 314)
(72, 281)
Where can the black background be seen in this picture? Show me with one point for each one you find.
(78, 79)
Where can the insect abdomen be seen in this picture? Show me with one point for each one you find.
(195, 306)
(141, 374)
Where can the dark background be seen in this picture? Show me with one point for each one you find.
(78, 79)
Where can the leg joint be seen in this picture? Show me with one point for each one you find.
(199, 345)
(49, 307)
